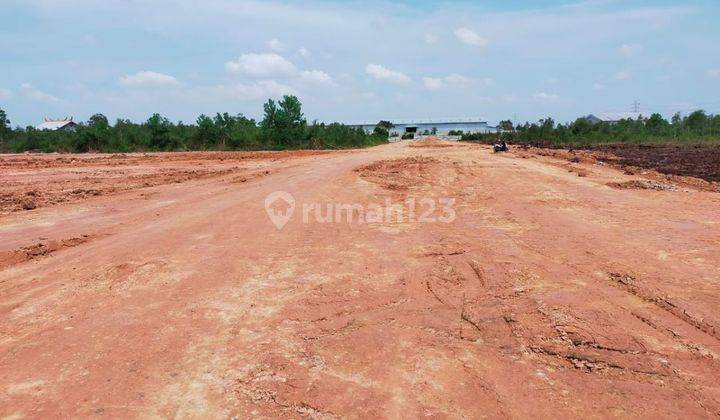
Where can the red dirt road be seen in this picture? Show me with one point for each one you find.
(548, 295)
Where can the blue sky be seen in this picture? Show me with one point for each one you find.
(357, 61)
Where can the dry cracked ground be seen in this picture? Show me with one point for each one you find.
(525, 285)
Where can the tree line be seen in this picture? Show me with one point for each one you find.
(698, 126)
(283, 127)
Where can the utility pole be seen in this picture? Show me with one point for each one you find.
(636, 106)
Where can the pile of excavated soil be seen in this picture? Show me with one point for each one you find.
(430, 142)
(399, 174)
(8, 258)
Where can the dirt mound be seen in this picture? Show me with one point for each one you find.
(399, 174)
(430, 142)
(572, 156)
(8, 258)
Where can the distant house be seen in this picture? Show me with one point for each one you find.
(612, 117)
(65, 124)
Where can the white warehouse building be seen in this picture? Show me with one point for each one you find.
(442, 128)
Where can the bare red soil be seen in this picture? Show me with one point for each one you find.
(30, 181)
(559, 288)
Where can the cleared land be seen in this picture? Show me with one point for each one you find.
(568, 284)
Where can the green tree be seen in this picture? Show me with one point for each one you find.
(382, 129)
(697, 122)
(223, 127)
(292, 120)
(715, 125)
(205, 133)
(4, 121)
(244, 134)
(160, 138)
(506, 125)
(656, 124)
(94, 136)
(284, 124)
(385, 124)
(547, 126)
(269, 123)
(98, 121)
(128, 136)
(5, 130)
(581, 126)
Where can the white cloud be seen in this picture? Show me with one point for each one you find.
(599, 86)
(433, 83)
(148, 79)
(630, 50)
(303, 52)
(316, 76)
(457, 79)
(546, 97)
(35, 94)
(431, 39)
(261, 89)
(470, 37)
(5, 94)
(454, 80)
(276, 45)
(383, 73)
(368, 96)
(714, 73)
(622, 75)
(261, 65)
(486, 82)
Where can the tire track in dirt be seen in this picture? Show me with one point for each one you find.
(629, 284)
(582, 354)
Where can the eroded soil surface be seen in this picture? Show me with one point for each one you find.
(529, 284)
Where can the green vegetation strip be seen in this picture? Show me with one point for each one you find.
(283, 127)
